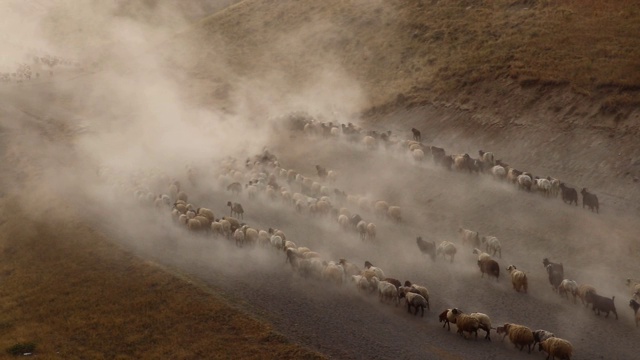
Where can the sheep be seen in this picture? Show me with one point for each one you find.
(394, 213)
(280, 233)
(380, 208)
(569, 195)
(416, 300)
(416, 134)
(361, 282)
(369, 142)
(541, 335)
(481, 254)
(289, 244)
(344, 223)
(467, 323)
(583, 290)
(635, 306)
(519, 335)
(485, 323)
(490, 267)
(469, 237)
(386, 290)
(361, 227)
(250, 235)
(634, 287)
(204, 221)
(418, 155)
(233, 223)
(419, 290)
(462, 162)
(492, 245)
(567, 287)
(194, 225)
(277, 242)
(375, 270)
(556, 347)
(524, 182)
(512, 175)
(601, 304)
(206, 212)
(322, 172)
(371, 231)
(393, 281)
(349, 268)
(487, 158)
(427, 247)
(263, 238)
(498, 172)
(226, 227)
(590, 200)
(235, 188)
(238, 236)
(518, 278)
(182, 196)
(555, 272)
(333, 272)
(555, 186)
(446, 248)
(447, 318)
(236, 209)
(544, 186)
(332, 176)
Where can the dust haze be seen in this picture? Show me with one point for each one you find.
(118, 116)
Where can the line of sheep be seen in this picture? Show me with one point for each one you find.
(263, 177)
(486, 163)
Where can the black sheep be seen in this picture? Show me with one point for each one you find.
(427, 247)
(590, 200)
(569, 195)
(602, 304)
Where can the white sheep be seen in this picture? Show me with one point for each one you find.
(524, 182)
(386, 290)
(492, 245)
(394, 213)
(518, 278)
(370, 271)
(333, 272)
(416, 300)
(485, 323)
(238, 236)
(469, 237)
(446, 248)
(498, 172)
(371, 231)
(567, 287)
(380, 208)
(544, 186)
(344, 222)
(634, 288)
(482, 256)
(418, 155)
(277, 242)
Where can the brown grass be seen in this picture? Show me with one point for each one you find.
(77, 296)
(422, 49)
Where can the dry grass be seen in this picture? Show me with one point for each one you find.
(422, 49)
(76, 296)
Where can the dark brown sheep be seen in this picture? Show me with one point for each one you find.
(590, 200)
(416, 134)
(569, 195)
(489, 267)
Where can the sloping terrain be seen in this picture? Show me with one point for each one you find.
(550, 87)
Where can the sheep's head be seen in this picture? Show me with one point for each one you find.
(367, 264)
(407, 283)
(545, 262)
(228, 203)
(511, 268)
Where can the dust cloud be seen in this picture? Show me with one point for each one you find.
(118, 118)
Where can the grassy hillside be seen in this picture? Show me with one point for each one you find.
(72, 293)
(413, 51)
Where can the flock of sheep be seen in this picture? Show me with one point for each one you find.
(262, 176)
(486, 162)
(25, 71)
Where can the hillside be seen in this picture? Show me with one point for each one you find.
(414, 52)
